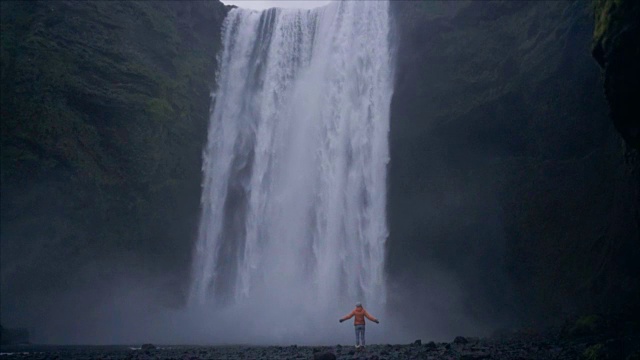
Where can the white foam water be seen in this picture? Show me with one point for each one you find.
(294, 191)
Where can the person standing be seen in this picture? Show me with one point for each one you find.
(360, 313)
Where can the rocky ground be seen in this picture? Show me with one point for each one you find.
(522, 346)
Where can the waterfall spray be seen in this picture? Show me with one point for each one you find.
(294, 191)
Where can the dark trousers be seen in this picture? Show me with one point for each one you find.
(360, 335)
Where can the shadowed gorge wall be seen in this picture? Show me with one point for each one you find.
(104, 116)
(510, 198)
(616, 37)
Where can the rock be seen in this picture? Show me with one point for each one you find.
(582, 326)
(473, 339)
(594, 352)
(430, 345)
(324, 356)
(146, 347)
(421, 70)
(460, 340)
(634, 356)
(417, 342)
(615, 48)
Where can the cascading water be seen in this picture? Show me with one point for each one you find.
(294, 192)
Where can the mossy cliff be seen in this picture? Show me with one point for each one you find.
(104, 117)
(512, 198)
(616, 47)
(508, 184)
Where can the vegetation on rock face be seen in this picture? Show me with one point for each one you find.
(506, 176)
(593, 352)
(104, 116)
(508, 189)
(616, 40)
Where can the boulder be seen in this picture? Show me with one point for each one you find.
(586, 325)
(615, 48)
(460, 340)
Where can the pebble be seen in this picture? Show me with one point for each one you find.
(503, 348)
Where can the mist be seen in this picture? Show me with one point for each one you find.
(249, 176)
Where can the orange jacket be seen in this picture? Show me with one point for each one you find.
(359, 313)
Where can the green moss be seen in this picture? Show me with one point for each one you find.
(107, 104)
(159, 109)
(588, 321)
(603, 10)
(594, 352)
(584, 326)
(611, 17)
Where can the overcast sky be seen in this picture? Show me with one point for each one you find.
(265, 4)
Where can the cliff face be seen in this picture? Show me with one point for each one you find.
(616, 40)
(508, 184)
(104, 116)
(511, 197)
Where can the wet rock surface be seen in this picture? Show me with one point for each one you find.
(514, 346)
(615, 47)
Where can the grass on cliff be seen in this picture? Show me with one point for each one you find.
(105, 108)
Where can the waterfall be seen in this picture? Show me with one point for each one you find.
(294, 190)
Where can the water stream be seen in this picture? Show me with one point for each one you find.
(294, 190)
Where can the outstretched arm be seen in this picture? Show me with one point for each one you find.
(348, 316)
(370, 317)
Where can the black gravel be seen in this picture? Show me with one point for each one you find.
(514, 348)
